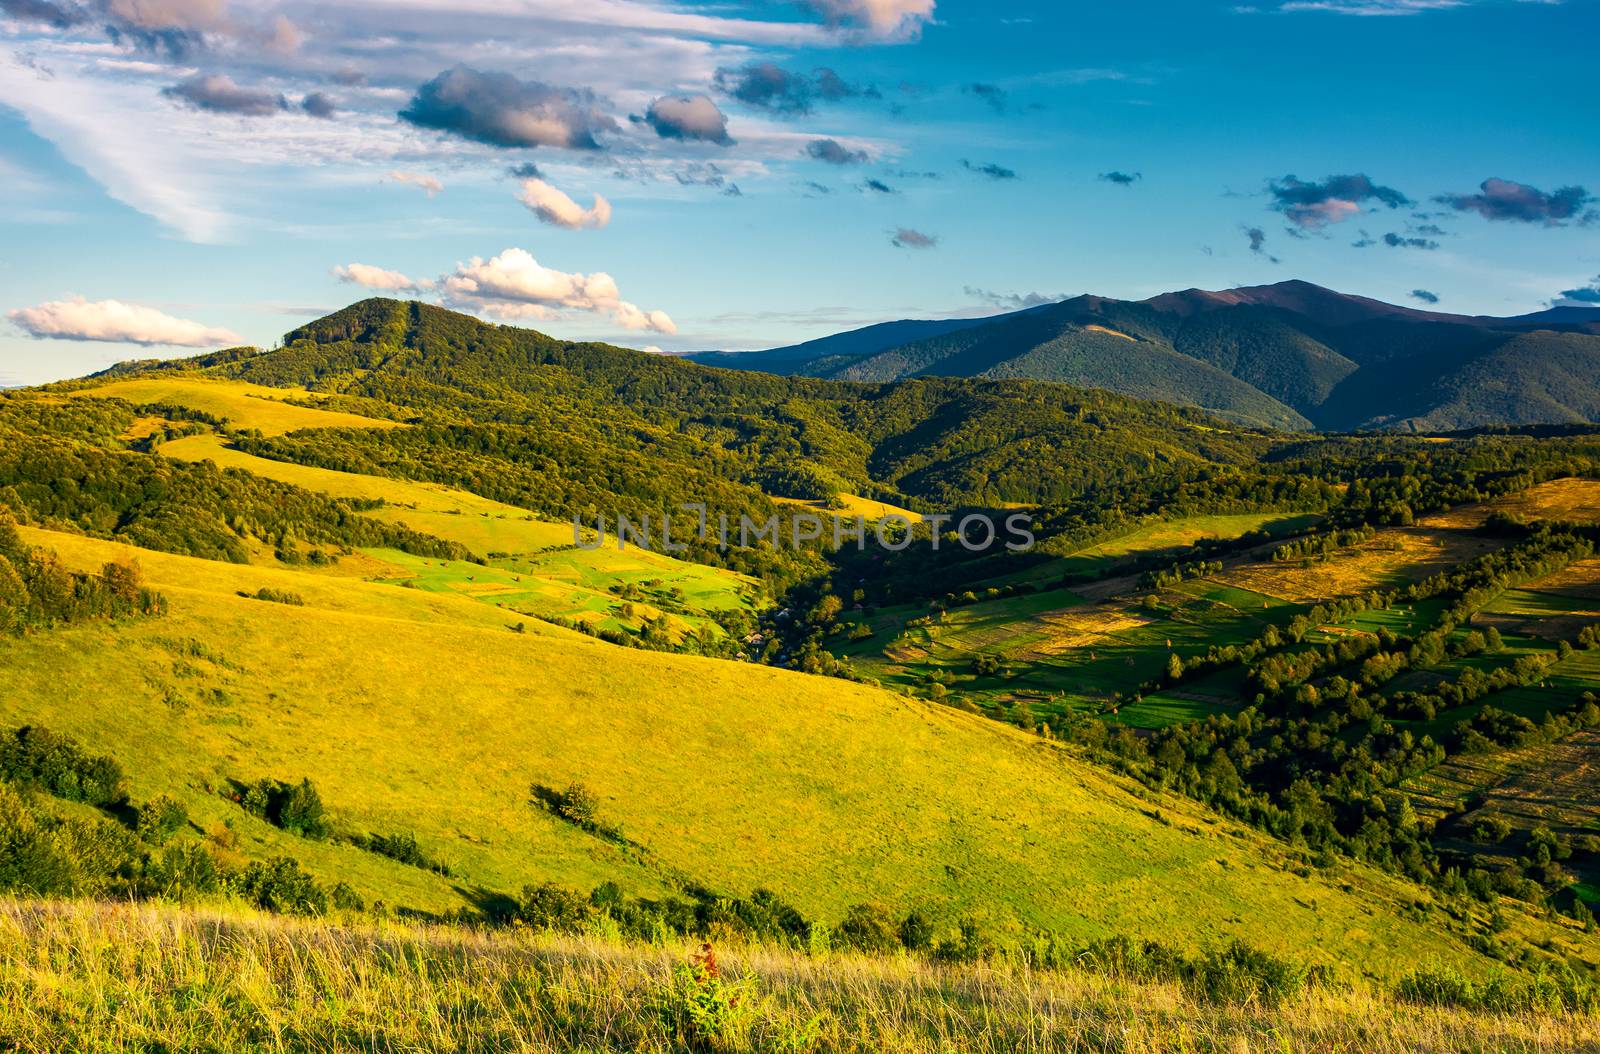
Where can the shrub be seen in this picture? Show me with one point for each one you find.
(31, 861)
(276, 596)
(38, 757)
(1241, 974)
(281, 885)
(346, 899)
(296, 808)
(869, 928)
(301, 812)
(160, 818)
(580, 806)
(1236, 974)
(181, 872)
(701, 1011)
(916, 932)
(402, 848)
(42, 855)
(549, 907)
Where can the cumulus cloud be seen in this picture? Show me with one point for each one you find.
(515, 286)
(178, 27)
(1583, 296)
(170, 14)
(116, 322)
(1312, 206)
(500, 110)
(1121, 179)
(1425, 296)
(786, 93)
(417, 179)
(318, 105)
(883, 19)
(217, 93)
(688, 117)
(990, 169)
(1016, 301)
(379, 278)
(1258, 242)
(832, 152)
(1504, 199)
(555, 208)
(911, 238)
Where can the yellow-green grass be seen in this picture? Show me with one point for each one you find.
(1159, 536)
(1179, 534)
(851, 505)
(569, 585)
(118, 978)
(244, 405)
(1395, 556)
(411, 496)
(530, 547)
(1560, 499)
(422, 713)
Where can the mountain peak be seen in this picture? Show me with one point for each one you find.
(1315, 302)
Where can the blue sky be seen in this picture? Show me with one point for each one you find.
(181, 173)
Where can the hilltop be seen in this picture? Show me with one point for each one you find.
(1290, 355)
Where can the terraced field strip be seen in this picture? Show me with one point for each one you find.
(1556, 785)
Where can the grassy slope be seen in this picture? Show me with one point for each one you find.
(740, 776)
(242, 405)
(569, 583)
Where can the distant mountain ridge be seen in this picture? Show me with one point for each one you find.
(1289, 355)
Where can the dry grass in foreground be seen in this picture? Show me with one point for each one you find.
(104, 978)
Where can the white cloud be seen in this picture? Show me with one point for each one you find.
(115, 321)
(515, 286)
(1373, 7)
(94, 126)
(416, 179)
(884, 19)
(637, 15)
(554, 207)
(379, 278)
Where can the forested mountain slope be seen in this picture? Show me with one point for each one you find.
(1291, 355)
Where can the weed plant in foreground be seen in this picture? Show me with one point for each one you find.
(95, 977)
